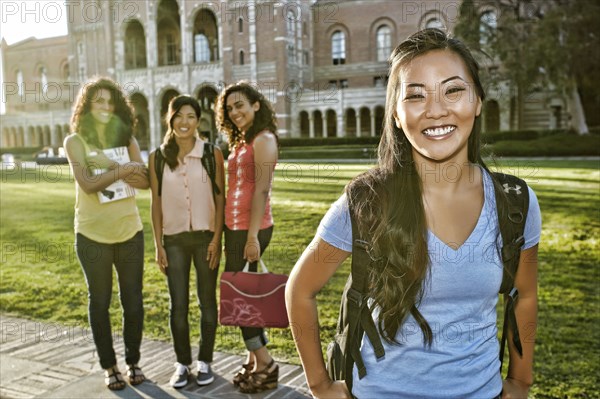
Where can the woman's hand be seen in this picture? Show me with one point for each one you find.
(99, 160)
(252, 249)
(514, 389)
(213, 255)
(161, 259)
(331, 390)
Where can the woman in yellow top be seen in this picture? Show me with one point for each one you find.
(108, 233)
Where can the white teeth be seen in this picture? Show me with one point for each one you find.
(439, 131)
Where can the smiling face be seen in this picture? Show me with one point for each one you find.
(240, 111)
(436, 106)
(102, 106)
(185, 122)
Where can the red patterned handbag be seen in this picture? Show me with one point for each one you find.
(250, 299)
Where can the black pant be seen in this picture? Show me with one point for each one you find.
(97, 261)
(235, 240)
(181, 249)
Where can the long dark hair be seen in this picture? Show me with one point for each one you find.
(119, 129)
(169, 147)
(264, 118)
(397, 226)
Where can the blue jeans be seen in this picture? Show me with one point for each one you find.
(235, 240)
(97, 261)
(181, 249)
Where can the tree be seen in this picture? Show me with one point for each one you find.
(553, 44)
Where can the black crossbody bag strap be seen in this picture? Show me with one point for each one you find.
(511, 218)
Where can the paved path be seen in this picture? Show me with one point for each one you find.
(49, 360)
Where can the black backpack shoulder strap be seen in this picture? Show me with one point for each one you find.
(360, 320)
(512, 202)
(159, 166)
(210, 164)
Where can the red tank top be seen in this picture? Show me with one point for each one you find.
(241, 186)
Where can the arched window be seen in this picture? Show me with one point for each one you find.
(338, 47)
(168, 33)
(201, 48)
(384, 43)
(20, 82)
(435, 22)
(44, 79)
(291, 23)
(205, 36)
(135, 46)
(488, 23)
(240, 25)
(241, 57)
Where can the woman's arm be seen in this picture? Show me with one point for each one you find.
(157, 218)
(82, 169)
(265, 158)
(139, 175)
(312, 271)
(520, 370)
(214, 247)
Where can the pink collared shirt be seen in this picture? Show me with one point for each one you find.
(187, 198)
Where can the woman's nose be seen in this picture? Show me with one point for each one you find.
(436, 108)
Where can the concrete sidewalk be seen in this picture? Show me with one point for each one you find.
(49, 360)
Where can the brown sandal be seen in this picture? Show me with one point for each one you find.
(263, 380)
(243, 374)
(113, 379)
(135, 374)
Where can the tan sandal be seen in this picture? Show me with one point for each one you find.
(135, 374)
(263, 380)
(113, 379)
(243, 374)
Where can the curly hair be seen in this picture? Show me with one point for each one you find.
(169, 147)
(119, 129)
(264, 118)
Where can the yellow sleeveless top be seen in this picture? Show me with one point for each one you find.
(107, 223)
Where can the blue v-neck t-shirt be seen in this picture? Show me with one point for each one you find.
(459, 303)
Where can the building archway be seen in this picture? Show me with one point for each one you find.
(491, 116)
(164, 107)
(207, 97)
(365, 121)
(351, 122)
(331, 123)
(142, 115)
(318, 120)
(304, 124)
(379, 113)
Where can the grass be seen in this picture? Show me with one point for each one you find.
(41, 279)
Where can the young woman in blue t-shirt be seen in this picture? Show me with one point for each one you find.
(429, 211)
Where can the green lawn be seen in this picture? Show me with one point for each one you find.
(40, 277)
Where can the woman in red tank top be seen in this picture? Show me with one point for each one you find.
(249, 121)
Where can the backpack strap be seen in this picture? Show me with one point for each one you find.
(159, 166)
(359, 315)
(210, 164)
(208, 161)
(512, 203)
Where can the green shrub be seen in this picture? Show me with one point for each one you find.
(327, 141)
(557, 145)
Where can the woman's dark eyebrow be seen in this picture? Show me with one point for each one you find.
(443, 81)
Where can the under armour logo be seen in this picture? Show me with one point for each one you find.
(516, 188)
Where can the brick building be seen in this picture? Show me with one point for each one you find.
(323, 64)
